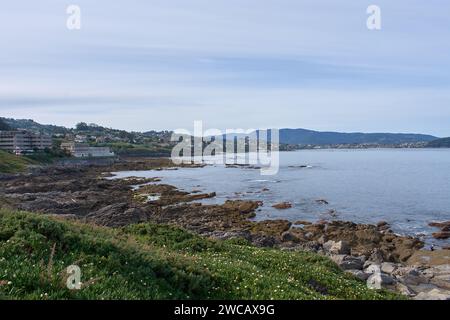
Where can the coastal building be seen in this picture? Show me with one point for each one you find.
(23, 141)
(82, 150)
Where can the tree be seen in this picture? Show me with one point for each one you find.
(82, 126)
(4, 126)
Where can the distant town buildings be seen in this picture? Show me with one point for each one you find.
(22, 141)
(82, 150)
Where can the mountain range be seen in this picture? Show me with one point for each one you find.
(287, 136)
(310, 137)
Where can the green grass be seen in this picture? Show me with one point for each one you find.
(10, 163)
(137, 150)
(150, 261)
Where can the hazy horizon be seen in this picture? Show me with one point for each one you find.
(160, 65)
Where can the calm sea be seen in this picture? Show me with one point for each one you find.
(406, 187)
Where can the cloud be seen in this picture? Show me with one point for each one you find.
(162, 64)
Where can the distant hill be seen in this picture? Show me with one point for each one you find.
(31, 125)
(439, 143)
(287, 136)
(306, 137)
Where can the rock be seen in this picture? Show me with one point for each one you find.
(441, 281)
(328, 245)
(404, 289)
(201, 196)
(412, 278)
(388, 267)
(368, 263)
(441, 235)
(322, 201)
(351, 264)
(445, 230)
(322, 240)
(311, 246)
(379, 280)
(263, 241)
(435, 294)
(404, 248)
(333, 247)
(424, 287)
(303, 222)
(338, 258)
(438, 271)
(361, 275)
(382, 224)
(440, 225)
(242, 206)
(273, 228)
(348, 262)
(117, 215)
(221, 235)
(288, 236)
(373, 268)
(282, 205)
(309, 235)
(429, 258)
(376, 256)
(439, 276)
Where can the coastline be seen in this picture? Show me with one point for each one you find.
(84, 193)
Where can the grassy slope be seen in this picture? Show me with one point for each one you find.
(10, 163)
(157, 262)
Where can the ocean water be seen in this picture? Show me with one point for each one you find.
(408, 188)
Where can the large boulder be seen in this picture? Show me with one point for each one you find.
(410, 276)
(361, 275)
(373, 268)
(379, 280)
(404, 289)
(242, 206)
(282, 205)
(430, 258)
(388, 267)
(346, 262)
(288, 236)
(442, 235)
(440, 225)
(435, 294)
(336, 247)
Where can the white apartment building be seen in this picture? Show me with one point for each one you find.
(81, 150)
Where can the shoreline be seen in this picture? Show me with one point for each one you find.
(84, 193)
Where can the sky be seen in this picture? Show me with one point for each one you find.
(162, 64)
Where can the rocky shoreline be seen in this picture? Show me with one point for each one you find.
(372, 253)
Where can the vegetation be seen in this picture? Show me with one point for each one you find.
(149, 261)
(439, 143)
(138, 150)
(31, 125)
(4, 126)
(310, 137)
(47, 156)
(10, 163)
